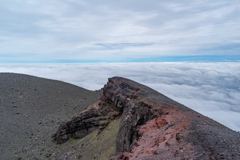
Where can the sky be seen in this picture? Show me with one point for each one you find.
(212, 89)
(89, 31)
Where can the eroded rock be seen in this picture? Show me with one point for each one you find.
(96, 116)
(152, 126)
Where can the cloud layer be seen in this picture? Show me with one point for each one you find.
(212, 89)
(116, 30)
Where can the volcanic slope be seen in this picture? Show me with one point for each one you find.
(31, 110)
(123, 121)
(151, 126)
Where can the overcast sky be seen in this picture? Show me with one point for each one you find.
(212, 89)
(119, 31)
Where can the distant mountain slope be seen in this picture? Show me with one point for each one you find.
(31, 108)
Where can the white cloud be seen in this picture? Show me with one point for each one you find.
(209, 88)
(40, 30)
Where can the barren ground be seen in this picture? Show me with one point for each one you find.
(31, 110)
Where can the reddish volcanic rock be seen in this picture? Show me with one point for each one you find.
(163, 136)
(155, 127)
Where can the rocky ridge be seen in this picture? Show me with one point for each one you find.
(152, 126)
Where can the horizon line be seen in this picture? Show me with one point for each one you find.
(196, 58)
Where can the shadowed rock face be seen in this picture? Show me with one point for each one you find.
(129, 97)
(152, 126)
(96, 116)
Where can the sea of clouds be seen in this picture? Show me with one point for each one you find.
(212, 89)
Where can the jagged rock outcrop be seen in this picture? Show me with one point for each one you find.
(96, 116)
(134, 101)
(152, 126)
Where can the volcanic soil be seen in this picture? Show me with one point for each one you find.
(31, 109)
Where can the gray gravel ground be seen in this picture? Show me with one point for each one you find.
(31, 110)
